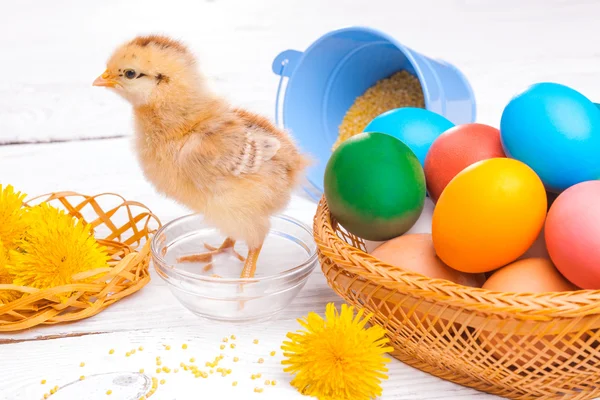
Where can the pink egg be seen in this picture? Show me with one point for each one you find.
(573, 234)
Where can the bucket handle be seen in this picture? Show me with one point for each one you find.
(283, 65)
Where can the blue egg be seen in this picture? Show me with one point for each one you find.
(415, 127)
(556, 131)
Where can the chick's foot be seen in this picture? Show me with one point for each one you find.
(228, 245)
(250, 264)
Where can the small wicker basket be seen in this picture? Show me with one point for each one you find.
(120, 225)
(520, 346)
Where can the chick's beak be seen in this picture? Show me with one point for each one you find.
(105, 80)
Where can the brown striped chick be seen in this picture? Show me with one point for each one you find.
(231, 165)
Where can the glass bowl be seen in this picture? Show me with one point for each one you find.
(216, 291)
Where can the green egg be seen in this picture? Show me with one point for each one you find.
(375, 186)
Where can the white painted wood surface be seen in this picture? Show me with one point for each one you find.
(51, 51)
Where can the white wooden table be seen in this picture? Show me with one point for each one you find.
(51, 51)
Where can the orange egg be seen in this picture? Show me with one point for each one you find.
(416, 253)
(488, 215)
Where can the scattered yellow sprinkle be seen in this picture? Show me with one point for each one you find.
(221, 356)
(162, 381)
(111, 351)
(132, 351)
(109, 392)
(158, 370)
(167, 347)
(232, 345)
(234, 383)
(253, 376)
(165, 369)
(184, 346)
(273, 383)
(81, 377)
(82, 364)
(258, 390)
(158, 362)
(273, 353)
(255, 341)
(222, 347)
(143, 398)
(141, 348)
(176, 370)
(258, 375)
(141, 370)
(127, 354)
(192, 360)
(267, 382)
(261, 360)
(232, 337)
(46, 396)
(225, 340)
(43, 381)
(157, 358)
(236, 359)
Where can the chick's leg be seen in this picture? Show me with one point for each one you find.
(228, 244)
(250, 264)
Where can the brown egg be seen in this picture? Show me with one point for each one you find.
(415, 253)
(531, 275)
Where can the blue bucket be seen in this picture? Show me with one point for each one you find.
(324, 81)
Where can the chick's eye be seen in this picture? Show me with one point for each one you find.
(129, 74)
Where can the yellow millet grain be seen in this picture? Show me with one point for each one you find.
(273, 353)
(108, 392)
(111, 351)
(273, 383)
(232, 345)
(232, 337)
(399, 90)
(222, 347)
(234, 383)
(184, 346)
(43, 381)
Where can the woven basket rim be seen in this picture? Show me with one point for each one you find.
(528, 305)
(129, 247)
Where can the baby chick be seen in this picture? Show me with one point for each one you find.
(233, 166)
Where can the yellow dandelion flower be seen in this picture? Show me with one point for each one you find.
(55, 247)
(6, 296)
(336, 357)
(12, 223)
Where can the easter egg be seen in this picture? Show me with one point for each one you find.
(416, 253)
(573, 234)
(556, 131)
(488, 215)
(415, 127)
(375, 186)
(456, 149)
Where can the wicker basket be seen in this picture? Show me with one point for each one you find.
(120, 225)
(517, 346)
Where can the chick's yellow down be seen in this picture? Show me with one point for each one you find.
(231, 165)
